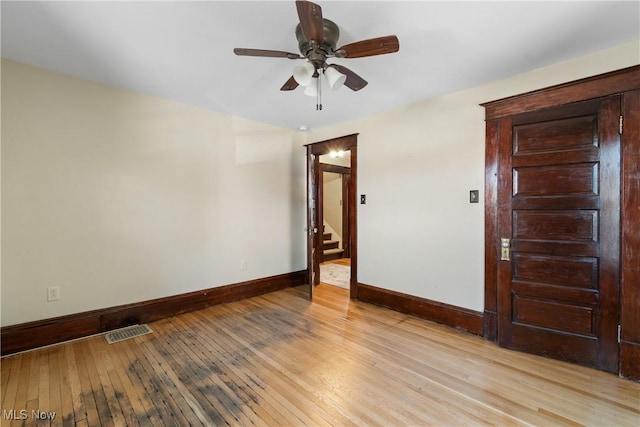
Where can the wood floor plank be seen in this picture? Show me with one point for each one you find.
(163, 411)
(375, 359)
(175, 385)
(402, 410)
(90, 406)
(279, 359)
(196, 373)
(10, 381)
(275, 365)
(65, 416)
(144, 407)
(21, 393)
(128, 395)
(209, 383)
(120, 406)
(97, 388)
(314, 353)
(55, 384)
(44, 401)
(291, 393)
(75, 388)
(241, 370)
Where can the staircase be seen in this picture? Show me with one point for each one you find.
(330, 249)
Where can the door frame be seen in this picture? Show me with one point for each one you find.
(627, 83)
(314, 151)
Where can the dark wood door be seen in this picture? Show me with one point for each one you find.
(559, 204)
(313, 263)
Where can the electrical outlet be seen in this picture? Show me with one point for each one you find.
(243, 264)
(53, 293)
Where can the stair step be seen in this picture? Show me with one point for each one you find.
(330, 244)
(326, 236)
(331, 254)
(332, 251)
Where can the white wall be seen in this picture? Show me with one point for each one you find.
(418, 233)
(118, 197)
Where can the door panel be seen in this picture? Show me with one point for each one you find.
(561, 206)
(564, 317)
(552, 225)
(560, 180)
(579, 272)
(557, 135)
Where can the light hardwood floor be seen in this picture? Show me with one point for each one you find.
(279, 359)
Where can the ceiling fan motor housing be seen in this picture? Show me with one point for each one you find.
(318, 54)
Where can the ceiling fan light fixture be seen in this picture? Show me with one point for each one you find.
(303, 74)
(335, 78)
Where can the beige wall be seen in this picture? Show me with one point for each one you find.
(418, 233)
(118, 197)
(332, 203)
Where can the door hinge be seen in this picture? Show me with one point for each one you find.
(620, 128)
(619, 330)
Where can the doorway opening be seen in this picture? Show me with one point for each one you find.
(331, 213)
(333, 195)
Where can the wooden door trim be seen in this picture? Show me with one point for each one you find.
(345, 143)
(626, 79)
(630, 238)
(627, 82)
(610, 271)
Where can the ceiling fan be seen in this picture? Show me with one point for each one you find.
(317, 40)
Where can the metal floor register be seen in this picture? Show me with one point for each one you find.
(126, 333)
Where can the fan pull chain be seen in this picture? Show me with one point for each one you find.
(319, 93)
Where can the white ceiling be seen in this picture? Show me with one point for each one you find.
(184, 50)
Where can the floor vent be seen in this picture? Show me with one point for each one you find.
(126, 333)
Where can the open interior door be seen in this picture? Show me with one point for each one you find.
(312, 225)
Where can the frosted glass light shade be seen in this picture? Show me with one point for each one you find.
(312, 88)
(335, 78)
(303, 74)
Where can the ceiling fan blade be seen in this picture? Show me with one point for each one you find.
(267, 53)
(370, 47)
(290, 84)
(311, 22)
(354, 81)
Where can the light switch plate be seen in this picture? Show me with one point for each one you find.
(474, 196)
